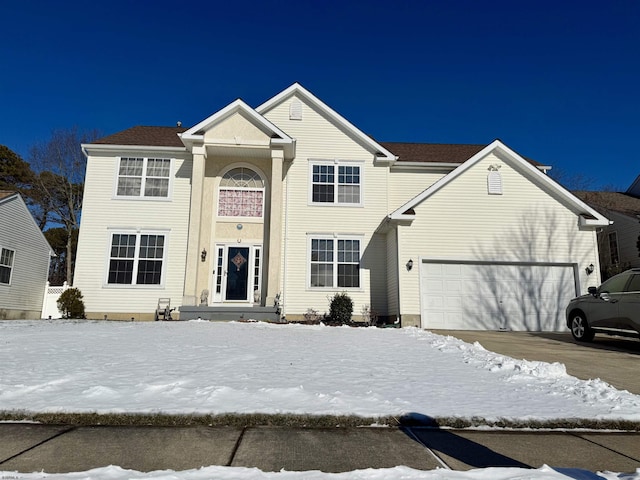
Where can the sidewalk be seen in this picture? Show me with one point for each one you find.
(59, 448)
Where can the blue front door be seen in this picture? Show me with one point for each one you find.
(237, 273)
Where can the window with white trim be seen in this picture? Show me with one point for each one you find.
(143, 177)
(241, 194)
(6, 265)
(339, 184)
(334, 262)
(136, 259)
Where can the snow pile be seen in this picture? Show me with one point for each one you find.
(403, 473)
(216, 368)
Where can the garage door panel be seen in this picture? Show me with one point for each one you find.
(473, 296)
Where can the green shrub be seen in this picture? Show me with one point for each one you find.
(70, 303)
(340, 309)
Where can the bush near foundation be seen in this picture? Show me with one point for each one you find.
(340, 309)
(70, 303)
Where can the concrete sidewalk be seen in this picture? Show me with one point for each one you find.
(59, 448)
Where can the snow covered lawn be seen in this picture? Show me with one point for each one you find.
(216, 368)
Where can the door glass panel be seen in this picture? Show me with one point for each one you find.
(237, 273)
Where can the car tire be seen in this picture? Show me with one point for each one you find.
(580, 328)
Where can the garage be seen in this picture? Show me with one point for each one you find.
(495, 296)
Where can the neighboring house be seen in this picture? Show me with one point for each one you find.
(24, 260)
(618, 242)
(289, 203)
(634, 188)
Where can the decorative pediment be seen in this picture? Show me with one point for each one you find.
(237, 126)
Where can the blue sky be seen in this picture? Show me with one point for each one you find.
(557, 81)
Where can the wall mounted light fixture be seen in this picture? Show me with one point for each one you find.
(590, 269)
(203, 255)
(409, 265)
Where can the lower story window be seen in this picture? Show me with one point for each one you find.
(335, 262)
(136, 259)
(6, 265)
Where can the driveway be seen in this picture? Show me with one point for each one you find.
(614, 360)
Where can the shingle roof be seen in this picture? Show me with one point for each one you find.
(432, 152)
(611, 201)
(407, 152)
(141, 135)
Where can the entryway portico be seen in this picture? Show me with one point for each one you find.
(235, 226)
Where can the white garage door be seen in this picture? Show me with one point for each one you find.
(477, 296)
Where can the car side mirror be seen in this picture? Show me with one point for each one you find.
(593, 291)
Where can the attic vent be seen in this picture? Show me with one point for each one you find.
(494, 183)
(295, 110)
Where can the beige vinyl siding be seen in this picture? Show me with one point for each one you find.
(319, 138)
(19, 232)
(407, 183)
(525, 224)
(102, 213)
(393, 308)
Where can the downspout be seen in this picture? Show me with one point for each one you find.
(398, 272)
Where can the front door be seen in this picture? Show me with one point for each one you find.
(237, 274)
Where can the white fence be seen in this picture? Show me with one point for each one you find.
(49, 304)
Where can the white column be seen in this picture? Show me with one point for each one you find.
(193, 244)
(274, 259)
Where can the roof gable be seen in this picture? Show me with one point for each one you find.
(382, 153)
(239, 109)
(588, 216)
(6, 197)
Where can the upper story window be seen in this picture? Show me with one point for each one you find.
(136, 258)
(241, 194)
(6, 265)
(144, 177)
(339, 184)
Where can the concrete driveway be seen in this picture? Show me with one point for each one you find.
(614, 360)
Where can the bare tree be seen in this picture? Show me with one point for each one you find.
(61, 167)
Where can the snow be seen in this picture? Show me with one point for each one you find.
(199, 367)
(397, 473)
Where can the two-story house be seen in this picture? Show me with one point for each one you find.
(288, 203)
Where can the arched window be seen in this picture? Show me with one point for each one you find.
(241, 194)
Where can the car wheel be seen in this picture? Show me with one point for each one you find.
(580, 329)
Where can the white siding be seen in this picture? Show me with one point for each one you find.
(462, 221)
(102, 212)
(19, 232)
(319, 138)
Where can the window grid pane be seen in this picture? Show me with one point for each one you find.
(6, 257)
(339, 270)
(144, 177)
(322, 263)
(323, 187)
(6, 265)
(256, 271)
(144, 263)
(343, 188)
(219, 271)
